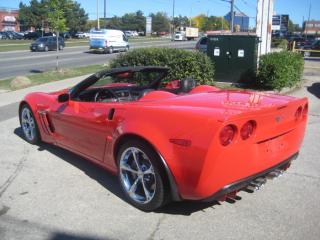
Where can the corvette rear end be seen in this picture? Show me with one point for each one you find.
(252, 136)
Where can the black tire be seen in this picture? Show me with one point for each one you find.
(46, 49)
(159, 195)
(36, 134)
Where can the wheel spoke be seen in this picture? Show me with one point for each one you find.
(149, 171)
(135, 157)
(133, 187)
(28, 115)
(128, 168)
(146, 192)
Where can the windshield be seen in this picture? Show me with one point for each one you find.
(140, 79)
(42, 39)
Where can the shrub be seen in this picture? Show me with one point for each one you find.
(280, 69)
(280, 43)
(182, 63)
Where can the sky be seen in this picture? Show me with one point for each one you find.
(297, 9)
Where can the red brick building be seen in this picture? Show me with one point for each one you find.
(311, 27)
(9, 19)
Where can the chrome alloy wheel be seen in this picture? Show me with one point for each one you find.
(137, 175)
(28, 124)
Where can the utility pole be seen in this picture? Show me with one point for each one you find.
(173, 6)
(105, 10)
(232, 15)
(98, 22)
(263, 25)
(308, 20)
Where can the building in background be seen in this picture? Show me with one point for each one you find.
(240, 22)
(9, 19)
(311, 27)
(280, 24)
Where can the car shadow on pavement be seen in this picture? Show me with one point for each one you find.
(106, 179)
(314, 89)
(110, 182)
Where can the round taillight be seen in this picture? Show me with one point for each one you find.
(247, 129)
(298, 113)
(227, 134)
(305, 110)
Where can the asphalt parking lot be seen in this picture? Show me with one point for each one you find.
(50, 193)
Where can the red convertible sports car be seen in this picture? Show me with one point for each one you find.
(170, 140)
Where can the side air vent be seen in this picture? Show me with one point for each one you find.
(46, 123)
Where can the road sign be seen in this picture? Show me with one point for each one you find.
(148, 25)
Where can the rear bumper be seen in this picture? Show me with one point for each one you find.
(242, 184)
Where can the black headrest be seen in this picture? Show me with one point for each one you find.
(187, 84)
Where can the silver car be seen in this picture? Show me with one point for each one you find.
(202, 44)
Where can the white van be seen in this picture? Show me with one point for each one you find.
(108, 40)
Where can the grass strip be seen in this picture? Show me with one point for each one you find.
(51, 76)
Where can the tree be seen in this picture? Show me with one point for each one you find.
(57, 20)
(215, 23)
(37, 13)
(76, 17)
(205, 23)
(160, 22)
(33, 15)
(181, 21)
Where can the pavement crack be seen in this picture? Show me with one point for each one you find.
(156, 229)
(15, 173)
(304, 175)
(314, 115)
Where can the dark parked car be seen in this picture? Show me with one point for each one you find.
(65, 35)
(13, 35)
(315, 49)
(300, 41)
(3, 35)
(47, 43)
(32, 35)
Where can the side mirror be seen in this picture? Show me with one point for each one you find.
(64, 97)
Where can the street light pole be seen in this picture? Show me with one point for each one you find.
(173, 6)
(232, 15)
(98, 22)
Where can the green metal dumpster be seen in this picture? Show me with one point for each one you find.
(234, 56)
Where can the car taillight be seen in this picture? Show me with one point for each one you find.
(227, 134)
(305, 111)
(247, 129)
(298, 113)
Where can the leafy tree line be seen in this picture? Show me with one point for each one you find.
(37, 14)
(137, 21)
(207, 23)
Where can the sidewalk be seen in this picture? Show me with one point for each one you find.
(16, 96)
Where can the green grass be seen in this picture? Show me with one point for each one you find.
(51, 76)
(16, 45)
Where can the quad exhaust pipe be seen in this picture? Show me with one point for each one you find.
(258, 183)
(274, 174)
